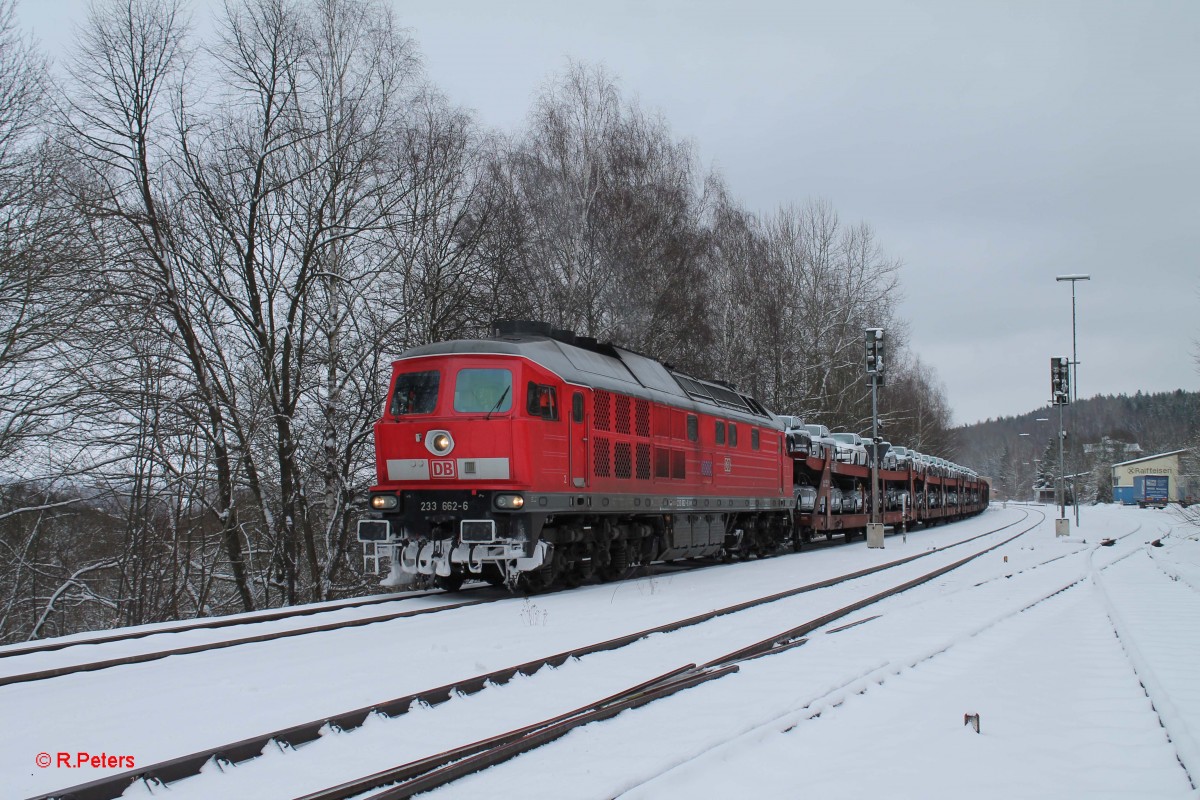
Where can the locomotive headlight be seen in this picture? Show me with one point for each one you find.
(383, 501)
(439, 442)
(510, 501)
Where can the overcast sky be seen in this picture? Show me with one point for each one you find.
(992, 146)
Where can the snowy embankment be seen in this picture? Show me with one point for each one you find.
(873, 709)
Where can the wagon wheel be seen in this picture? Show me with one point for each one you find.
(803, 538)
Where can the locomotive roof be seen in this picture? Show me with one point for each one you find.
(605, 366)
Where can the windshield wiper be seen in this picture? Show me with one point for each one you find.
(499, 402)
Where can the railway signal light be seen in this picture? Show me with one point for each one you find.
(1060, 381)
(874, 345)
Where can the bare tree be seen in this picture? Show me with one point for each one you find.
(40, 300)
(602, 222)
(917, 412)
(817, 285)
(131, 60)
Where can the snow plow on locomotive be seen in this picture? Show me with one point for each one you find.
(539, 458)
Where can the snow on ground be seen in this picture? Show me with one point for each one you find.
(877, 710)
(162, 709)
(872, 710)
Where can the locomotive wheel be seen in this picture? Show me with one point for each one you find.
(534, 582)
(452, 582)
(493, 575)
(571, 577)
(618, 563)
(566, 570)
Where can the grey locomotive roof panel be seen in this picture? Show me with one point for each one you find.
(601, 367)
(624, 372)
(649, 372)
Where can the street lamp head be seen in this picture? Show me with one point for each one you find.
(1042, 419)
(1079, 277)
(1022, 434)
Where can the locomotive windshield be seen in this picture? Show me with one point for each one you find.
(483, 391)
(416, 393)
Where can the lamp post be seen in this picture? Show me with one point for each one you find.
(1075, 278)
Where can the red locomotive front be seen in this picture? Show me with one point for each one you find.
(462, 441)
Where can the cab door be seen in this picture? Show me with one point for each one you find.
(578, 440)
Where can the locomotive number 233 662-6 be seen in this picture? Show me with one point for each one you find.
(445, 505)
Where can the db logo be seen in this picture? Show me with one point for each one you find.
(442, 469)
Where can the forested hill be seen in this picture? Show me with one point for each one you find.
(1156, 422)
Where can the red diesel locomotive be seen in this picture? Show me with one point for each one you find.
(542, 457)
(539, 458)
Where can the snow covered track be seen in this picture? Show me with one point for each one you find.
(154, 655)
(413, 778)
(441, 769)
(204, 623)
(1063, 711)
(777, 641)
(75, 661)
(1135, 593)
(298, 734)
(877, 710)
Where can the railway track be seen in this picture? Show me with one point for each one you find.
(58, 671)
(1190, 579)
(140, 658)
(210, 623)
(859, 683)
(485, 753)
(406, 780)
(1134, 640)
(259, 617)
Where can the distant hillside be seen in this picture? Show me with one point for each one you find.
(1154, 423)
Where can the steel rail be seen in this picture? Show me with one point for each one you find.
(800, 715)
(438, 770)
(184, 766)
(50, 645)
(141, 658)
(431, 771)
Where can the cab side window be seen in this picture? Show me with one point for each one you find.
(720, 432)
(541, 401)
